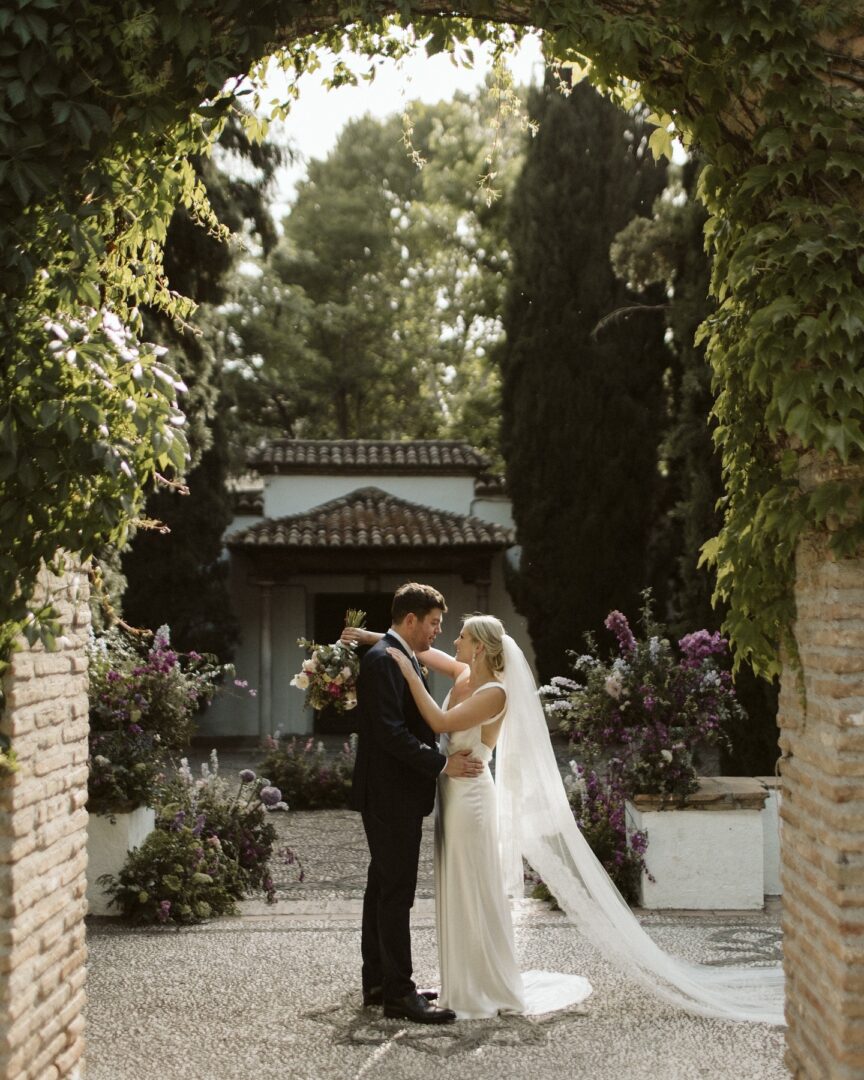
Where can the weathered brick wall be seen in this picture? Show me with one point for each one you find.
(823, 821)
(43, 852)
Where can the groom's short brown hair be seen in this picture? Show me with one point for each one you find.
(413, 598)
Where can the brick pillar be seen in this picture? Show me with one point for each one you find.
(823, 820)
(43, 850)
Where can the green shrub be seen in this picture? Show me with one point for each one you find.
(176, 876)
(307, 776)
(212, 846)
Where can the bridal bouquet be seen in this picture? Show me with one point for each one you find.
(329, 676)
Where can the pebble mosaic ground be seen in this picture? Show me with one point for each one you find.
(274, 992)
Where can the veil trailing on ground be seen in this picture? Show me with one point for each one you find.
(535, 821)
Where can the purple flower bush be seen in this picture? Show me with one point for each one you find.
(310, 778)
(598, 806)
(212, 846)
(652, 707)
(175, 877)
(143, 707)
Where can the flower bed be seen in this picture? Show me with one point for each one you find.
(652, 709)
(212, 846)
(142, 709)
(309, 777)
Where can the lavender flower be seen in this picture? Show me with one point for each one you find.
(270, 796)
(246, 776)
(701, 644)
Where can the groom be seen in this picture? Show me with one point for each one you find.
(394, 782)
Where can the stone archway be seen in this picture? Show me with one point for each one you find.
(140, 74)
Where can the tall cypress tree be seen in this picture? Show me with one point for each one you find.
(581, 409)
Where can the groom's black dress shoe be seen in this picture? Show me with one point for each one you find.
(375, 996)
(418, 1008)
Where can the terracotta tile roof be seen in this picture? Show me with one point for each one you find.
(370, 518)
(417, 456)
(490, 484)
(248, 503)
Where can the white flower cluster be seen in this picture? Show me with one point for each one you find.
(614, 685)
(562, 705)
(574, 782)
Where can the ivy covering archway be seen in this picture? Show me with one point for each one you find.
(103, 102)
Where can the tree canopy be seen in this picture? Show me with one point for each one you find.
(174, 572)
(375, 314)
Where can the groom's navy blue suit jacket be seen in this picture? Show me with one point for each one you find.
(398, 761)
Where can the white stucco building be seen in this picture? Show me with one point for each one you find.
(334, 524)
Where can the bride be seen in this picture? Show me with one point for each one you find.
(483, 832)
(479, 973)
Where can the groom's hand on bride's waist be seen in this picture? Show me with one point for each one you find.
(461, 764)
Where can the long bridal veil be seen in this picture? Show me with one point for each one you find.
(535, 821)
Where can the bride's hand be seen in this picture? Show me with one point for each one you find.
(357, 635)
(405, 665)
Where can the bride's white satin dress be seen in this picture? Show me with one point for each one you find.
(480, 976)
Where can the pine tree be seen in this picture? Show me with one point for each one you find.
(581, 410)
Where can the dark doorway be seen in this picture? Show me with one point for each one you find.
(329, 619)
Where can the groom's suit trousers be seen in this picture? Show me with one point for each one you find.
(394, 847)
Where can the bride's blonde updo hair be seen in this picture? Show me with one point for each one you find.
(487, 631)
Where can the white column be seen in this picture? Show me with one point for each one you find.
(265, 668)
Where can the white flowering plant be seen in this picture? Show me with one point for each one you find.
(329, 675)
(650, 706)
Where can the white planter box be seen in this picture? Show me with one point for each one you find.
(108, 844)
(708, 853)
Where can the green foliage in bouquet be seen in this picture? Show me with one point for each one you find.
(310, 779)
